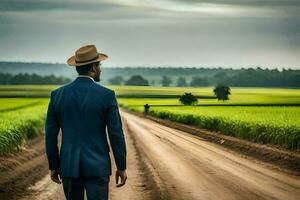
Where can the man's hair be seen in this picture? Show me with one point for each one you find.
(84, 69)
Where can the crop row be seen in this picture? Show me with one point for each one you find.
(267, 125)
(18, 125)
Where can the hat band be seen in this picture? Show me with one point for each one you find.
(86, 60)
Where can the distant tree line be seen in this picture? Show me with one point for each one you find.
(259, 77)
(171, 76)
(137, 80)
(244, 78)
(25, 78)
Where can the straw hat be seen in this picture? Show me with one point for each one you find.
(86, 55)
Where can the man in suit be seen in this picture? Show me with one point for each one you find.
(84, 110)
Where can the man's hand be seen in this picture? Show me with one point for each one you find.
(122, 175)
(54, 176)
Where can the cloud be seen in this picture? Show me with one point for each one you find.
(172, 5)
(222, 7)
(154, 32)
(245, 2)
(48, 5)
(160, 8)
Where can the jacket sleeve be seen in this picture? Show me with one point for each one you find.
(115, 133)
(51, 133)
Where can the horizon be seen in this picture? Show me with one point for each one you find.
(182, 67)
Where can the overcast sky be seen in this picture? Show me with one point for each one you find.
(209, 33)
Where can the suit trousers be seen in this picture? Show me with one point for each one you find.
(96, 188)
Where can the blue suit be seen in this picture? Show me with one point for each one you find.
(83, 110)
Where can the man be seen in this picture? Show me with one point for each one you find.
(83, 110)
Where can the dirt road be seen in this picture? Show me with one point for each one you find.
(186, 167)
(165, 163)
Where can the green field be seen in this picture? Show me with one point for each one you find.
(262, 115)
(20, 119)
(11, 104)
(274, 125)
(24, 91)
(270, 116)
(169, 95)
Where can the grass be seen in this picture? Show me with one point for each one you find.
(19, 125)
(24, 91)
(10, 104)
(257, 114)
(267, 125)
(169, 95)
(267, 118)
(240, 96)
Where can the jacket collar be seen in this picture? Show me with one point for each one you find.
(82, 78)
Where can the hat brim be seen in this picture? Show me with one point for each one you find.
(72, 62)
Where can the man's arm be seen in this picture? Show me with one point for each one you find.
(51, 133)
(117, 140)
(115, 133)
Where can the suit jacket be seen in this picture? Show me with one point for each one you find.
(84, 110)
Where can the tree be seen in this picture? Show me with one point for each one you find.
(117, 80)
(166, 81)
(181, 82)
(137, 80)
(198, 81)
(222, 92)
(188, 99)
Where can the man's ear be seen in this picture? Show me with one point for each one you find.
(94, 67)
